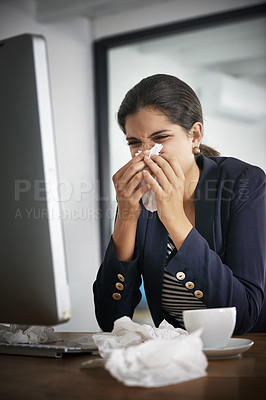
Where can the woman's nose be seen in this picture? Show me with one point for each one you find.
(146, 146)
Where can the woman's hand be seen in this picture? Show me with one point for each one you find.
(166, 178)
(127, 182)
(169, 185)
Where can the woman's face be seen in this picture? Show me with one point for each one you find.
(149, 126)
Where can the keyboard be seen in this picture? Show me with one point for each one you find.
(55, 350)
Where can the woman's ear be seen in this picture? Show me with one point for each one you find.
(196, 134)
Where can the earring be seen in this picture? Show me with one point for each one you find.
(196, 150)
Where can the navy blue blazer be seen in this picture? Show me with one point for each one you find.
(223, 255)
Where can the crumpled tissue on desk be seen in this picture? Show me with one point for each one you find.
(141, 355)
(20, 334)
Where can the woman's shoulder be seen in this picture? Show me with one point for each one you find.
(234, 168)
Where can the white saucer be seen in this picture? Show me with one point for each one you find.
(234, 348)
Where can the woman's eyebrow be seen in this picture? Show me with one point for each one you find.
(151, 135)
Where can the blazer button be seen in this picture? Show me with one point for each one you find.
(116, 296)
(198, 294)
(121, 277)
(119, 286)
(180, 275)
(189, 285)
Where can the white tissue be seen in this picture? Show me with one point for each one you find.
(148, 199)
(128, 333)
(140, 355)
(27, 334)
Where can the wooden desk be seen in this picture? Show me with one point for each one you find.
(35, 378)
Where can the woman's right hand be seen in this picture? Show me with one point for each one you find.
(129, 191)
(127, 182)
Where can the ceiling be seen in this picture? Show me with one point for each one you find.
(48, 10)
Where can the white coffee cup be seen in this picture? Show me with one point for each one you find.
(217, 325)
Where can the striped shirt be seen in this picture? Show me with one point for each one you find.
(175, 296)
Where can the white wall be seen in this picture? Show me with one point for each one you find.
(71, 80)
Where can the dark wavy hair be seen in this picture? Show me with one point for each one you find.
(168, 94)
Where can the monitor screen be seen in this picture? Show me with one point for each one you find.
(33, 275)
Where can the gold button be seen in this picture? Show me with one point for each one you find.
(180, 275)
(119, 286)
(198, 294)
(116, 296)
(121, 277)
(189, 285)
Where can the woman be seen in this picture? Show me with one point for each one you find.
(205, 244)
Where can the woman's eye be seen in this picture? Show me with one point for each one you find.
(133, 144)
(136, 143)
(161, 137)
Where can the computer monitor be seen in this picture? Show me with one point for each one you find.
(33, 274)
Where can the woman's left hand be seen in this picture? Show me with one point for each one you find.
(167, 180)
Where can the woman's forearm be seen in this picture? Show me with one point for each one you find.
(179, 230)
(124, 236)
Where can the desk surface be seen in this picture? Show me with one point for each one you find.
(44, 378)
